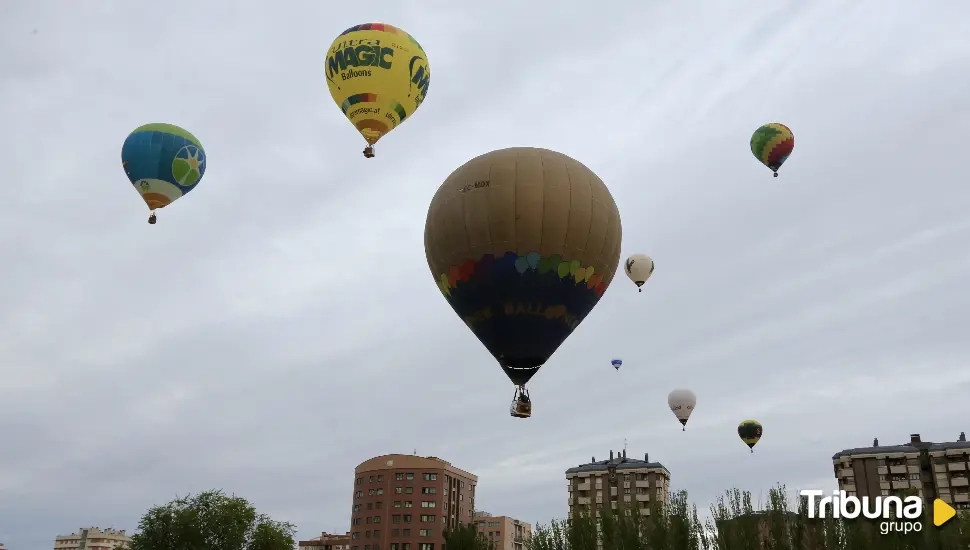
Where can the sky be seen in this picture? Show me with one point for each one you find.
(280, 325)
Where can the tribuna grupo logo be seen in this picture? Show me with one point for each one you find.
(895, 514)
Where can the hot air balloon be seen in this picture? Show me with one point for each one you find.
(522, 242)
(750, 432)
(163, 162)
(639, 268)
(681, 403)
(378, 75)
(617, 363)
(771, 145)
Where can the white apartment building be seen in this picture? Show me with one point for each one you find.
(93, 538)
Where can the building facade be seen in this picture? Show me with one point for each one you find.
(504, 532)
(93, 538)
(326, 541)
(929, 470)
(634, 483)
(406, 502)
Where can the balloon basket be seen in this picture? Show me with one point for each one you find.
(152, 218)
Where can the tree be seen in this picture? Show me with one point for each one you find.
(465, 536)
(211, 521)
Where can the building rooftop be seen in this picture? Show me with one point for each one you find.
(915, 445)
(621, 462)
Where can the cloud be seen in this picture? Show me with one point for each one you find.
(279, 326)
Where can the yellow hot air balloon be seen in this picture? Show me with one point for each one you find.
(378, 75)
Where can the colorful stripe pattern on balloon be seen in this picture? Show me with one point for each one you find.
(772, 144)
(384, 27)
(532, 262)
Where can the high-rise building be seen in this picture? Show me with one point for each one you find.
(92, 538)
(929, 470)
(326, 541)
(505, 532)
(2, 547)
(406, 502)
(633, 482)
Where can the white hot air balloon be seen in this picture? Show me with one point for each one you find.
(682, 403)
(639, 268)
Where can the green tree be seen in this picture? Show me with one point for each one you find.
(465, 536)
(210, 521)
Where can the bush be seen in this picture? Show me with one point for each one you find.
(735, 524)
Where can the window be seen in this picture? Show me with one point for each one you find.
(368, 520)
(408, 504)
(426, 546)
(359, 494)
(355, 535)
(366, 547)
(407, 532)
(428, 504)
(378, 505)
(377, 532)
(626, 491)
(366, 534)
(396, 518)
(399, 490)
(380, 491)
(380, 478)
(424, 532)
(407, 518)
(356, 507)
(370, 506)
(409, 476)
(393, 545)
(427, 519)
(370, 479)
(370, 492)
(399, 476)
(408, 490)
(430, 477)
(406, 546)
(356, 521)
(428, 490)
(397, 503)
(360, 481)
(395, 532)
(377, 519)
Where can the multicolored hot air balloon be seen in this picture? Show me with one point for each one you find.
(681, 403)
(163, 162)
(617, 363)
(523, 243)
(750, 432)
(771, 145)
(639, 268)
(378, 75)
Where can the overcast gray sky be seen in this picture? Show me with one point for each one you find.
(279, 325)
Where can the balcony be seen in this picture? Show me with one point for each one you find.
(901, 469)
(517, 538)
(643, 497)
(849, 487)
(961, 497)
(584, 486)
(583, 501)
(845, 472)
(959, 482)
(957, 467)
(883, 470)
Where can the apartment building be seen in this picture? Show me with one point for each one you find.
(92, 538)
(406, 502)
(930, 470)
(505, 532)
(2, 547)
(326, 541)
(635, 483)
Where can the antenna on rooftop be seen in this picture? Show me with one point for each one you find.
(624, 445)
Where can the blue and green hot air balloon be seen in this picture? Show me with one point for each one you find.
(163, 162)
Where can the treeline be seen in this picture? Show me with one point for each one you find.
(737, 525)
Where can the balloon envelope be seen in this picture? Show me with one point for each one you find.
(771, 144)
(639, 268)
(617, 363)
(681, 403)
(522, 242)
(378, 75)
(163, 162)
(750, 432)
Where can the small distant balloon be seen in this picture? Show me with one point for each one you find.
(771, 144)
(163, 162)
(639, 268)
(750, 432)
(617, 363)
(681, 403)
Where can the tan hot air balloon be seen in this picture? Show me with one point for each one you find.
(522, 242)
